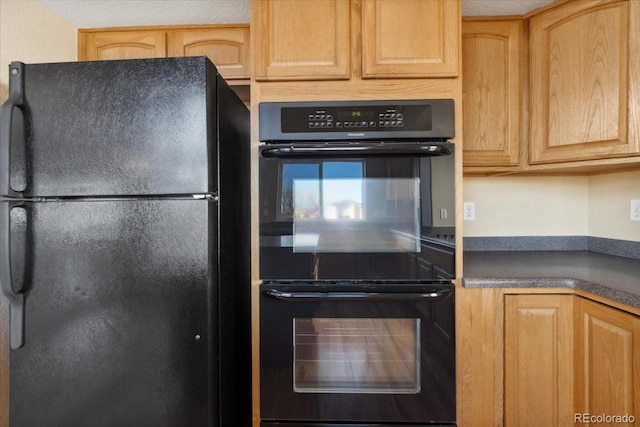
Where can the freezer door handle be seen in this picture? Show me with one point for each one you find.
(16, 99)
(15, 297)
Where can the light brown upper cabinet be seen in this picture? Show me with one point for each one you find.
(492, 75)
(226, 45)
(301, 40)
(408, 38)
(585, 81)
(121, 44)
(340, 39)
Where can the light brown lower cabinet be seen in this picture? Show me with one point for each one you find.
(538, 360)
(546, 359)
(607, 368)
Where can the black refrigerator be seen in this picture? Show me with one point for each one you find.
(124, 245)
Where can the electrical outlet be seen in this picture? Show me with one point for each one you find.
(443, 214)
(469, 211)
(634, 208)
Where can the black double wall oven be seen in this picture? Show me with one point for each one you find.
(356, 261)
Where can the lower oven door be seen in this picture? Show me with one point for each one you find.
(357, 354)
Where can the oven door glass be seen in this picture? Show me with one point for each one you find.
(356, 218)
(337, 355)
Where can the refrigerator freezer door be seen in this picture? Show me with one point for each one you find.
(120, 313)
(137, 127)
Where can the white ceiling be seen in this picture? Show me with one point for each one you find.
(500, 7)
(122, 13)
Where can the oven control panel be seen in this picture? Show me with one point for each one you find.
(357, 120)
(327, 119)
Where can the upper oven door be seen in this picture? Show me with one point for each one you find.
(374, 216)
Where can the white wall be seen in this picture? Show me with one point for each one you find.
(527, 206)
(31, 33)
(609, 197)
(596, 205)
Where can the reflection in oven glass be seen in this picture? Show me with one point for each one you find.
(365, 215)
(356, 355)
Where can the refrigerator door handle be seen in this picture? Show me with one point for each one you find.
(15, 297)
(16, 99)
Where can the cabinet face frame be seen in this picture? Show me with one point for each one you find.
(492, 108)
(602, 118)
(281, 42)
(410, 39)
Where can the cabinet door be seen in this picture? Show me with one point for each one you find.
(607, 361)
(583, 70)
(126, 44)
(227, 47)
(538, 383)
(408, 38)
(301, 39)
(491, 92)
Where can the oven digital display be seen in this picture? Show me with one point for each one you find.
(356, 115)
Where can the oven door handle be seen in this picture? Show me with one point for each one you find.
(360, 296)
(360, 149)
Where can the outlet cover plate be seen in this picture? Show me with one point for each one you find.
(469, 211)
(634, 210)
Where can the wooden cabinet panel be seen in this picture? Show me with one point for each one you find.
(538, 360)
(408, 38)
(301, 39)
(492, 92)
(580, 81)
(565, 356)
(313, 40)
(226, 47)
(107, 45)
(480, 350)
(607, 360)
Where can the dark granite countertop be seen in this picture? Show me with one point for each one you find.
(609, 276)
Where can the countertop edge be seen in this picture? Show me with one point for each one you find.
(620, 297)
